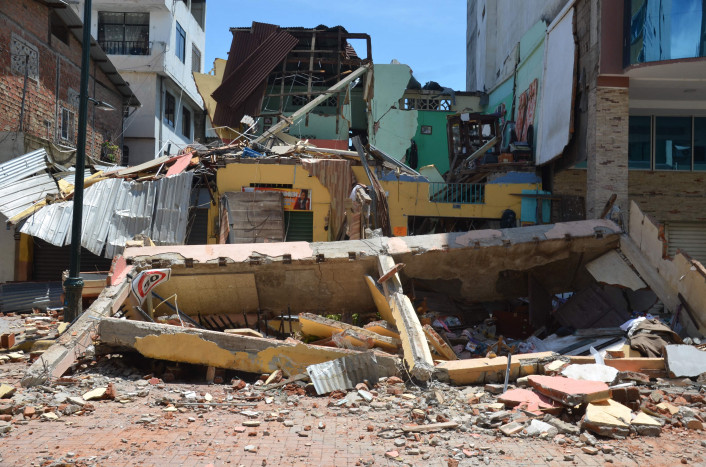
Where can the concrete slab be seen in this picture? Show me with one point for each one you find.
(568, 391)
(528, 400)
(685, 361)
(491, 370)
(607, 418)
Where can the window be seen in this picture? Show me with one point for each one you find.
(169, 105)
(124, 33)
(180, 43)
(67, 129)
(667, 143)
(672, 143)
(195, 59)
(198, 11)
(640, 143)
(58, 28)
(186, 122)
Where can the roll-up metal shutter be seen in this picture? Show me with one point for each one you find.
(299, 226)
(50, 261)
(689, 237)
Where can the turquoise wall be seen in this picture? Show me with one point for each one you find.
(433, 148)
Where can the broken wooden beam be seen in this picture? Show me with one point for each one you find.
(491, 370)
(439, 344)
(397, 268)
(417, 356)
(70, 345)
(320, 326)
(221, 350)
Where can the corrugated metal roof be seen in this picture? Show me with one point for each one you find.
(23, 296)
(132, 216)
(23, 166)
(343, 373)
(20, 195)
(51, 223)
(98, 206)
(254, 54)
(172, 209)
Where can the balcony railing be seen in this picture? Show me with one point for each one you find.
(457, 193)
(126, 47)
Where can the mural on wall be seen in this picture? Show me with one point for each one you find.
(294, 199)
(525, 111)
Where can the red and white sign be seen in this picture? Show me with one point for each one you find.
(147, 280)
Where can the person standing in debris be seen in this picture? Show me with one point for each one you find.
(302, 203)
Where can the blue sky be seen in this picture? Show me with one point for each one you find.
(430, 37)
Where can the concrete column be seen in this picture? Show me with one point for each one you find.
(607, 149)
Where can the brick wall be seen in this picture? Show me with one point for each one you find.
(57, 84)
(669, 196)
(608, 164)
(570, 182)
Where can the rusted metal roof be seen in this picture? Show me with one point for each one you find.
(254, 54)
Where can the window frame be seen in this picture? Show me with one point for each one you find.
(195, 53)
(169, 99)
(125, 49)
(653, 144)
(67, 124)
(186, 122)
(180, 43)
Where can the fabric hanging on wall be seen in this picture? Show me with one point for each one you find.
(336, 175)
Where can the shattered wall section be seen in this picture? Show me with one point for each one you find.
(391, 130)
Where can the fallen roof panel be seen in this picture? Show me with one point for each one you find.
(132, 215)
(20, 195)
(171, 212)
(51, 223)
(23, 166)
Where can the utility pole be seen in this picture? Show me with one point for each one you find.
(74, 283)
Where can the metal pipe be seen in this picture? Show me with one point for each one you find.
(74, 283)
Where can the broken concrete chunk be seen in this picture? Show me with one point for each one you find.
(646, 425)
(320, 326)
(6, 391)
(439, 344)
(527, 400)
(95, 394)
(511, 428)
(491, 370)
(607, 418)
(685, 361)
(538, 428)
(570, 391)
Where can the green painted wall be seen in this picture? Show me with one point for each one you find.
(433, 148)
(501, 95)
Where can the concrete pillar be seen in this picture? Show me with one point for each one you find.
(607, 149)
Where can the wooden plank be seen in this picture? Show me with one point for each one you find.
(415, 349)
(612, 269)
(397, 268)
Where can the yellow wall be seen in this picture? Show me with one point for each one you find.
(206, 84)
(404, 198)
(233, 177)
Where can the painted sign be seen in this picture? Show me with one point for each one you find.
(147, 280)
(295, 199)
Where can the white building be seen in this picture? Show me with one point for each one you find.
(155, 45)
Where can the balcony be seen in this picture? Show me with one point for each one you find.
(126, 47)
(457, 193)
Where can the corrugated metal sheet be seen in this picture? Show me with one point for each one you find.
(172, 209)
(98, 206)
(70, 177)
(255, 55)
(23, 166)
(132, 216)
(344, 373)
(20, 195)
(51, 223)
(23, 296)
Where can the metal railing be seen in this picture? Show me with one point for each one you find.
(126, 47)
(458, 193)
